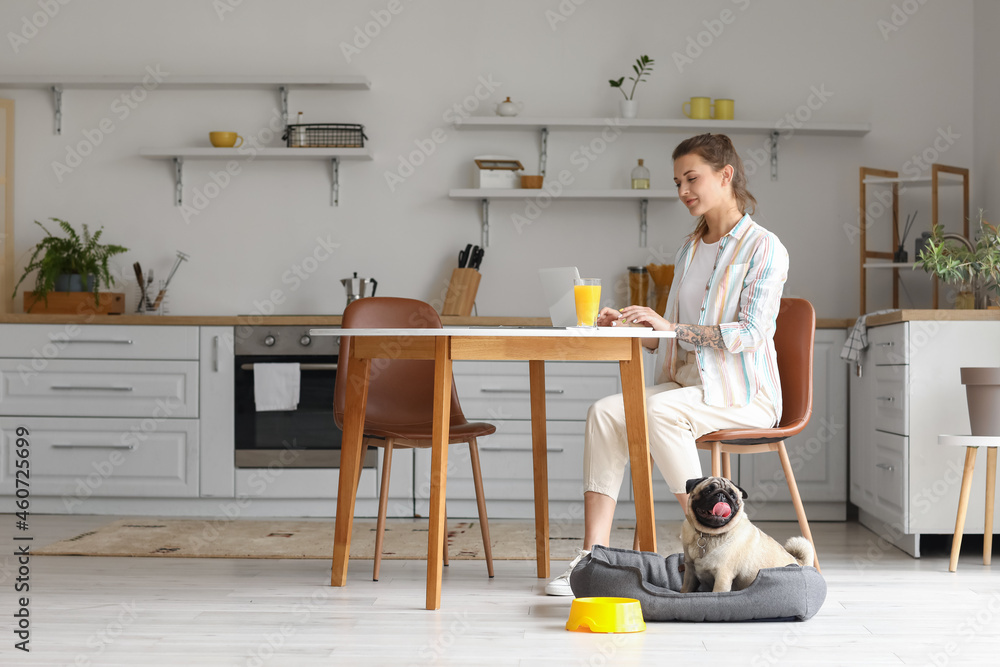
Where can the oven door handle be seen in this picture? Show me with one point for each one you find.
(304, 367)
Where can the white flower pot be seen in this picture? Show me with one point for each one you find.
(628, 108)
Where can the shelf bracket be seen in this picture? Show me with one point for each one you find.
(178, 181)
(283, 94)
(57, 102)
(544, 155)
(486, 223)
(643, 226)
(335, 182)
(774, 155)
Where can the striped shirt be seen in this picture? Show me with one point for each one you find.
(742, 297)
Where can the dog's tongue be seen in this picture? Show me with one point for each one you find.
(721, 509)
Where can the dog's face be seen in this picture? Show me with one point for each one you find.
(714, 503)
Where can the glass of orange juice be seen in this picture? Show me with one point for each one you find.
(587, 292)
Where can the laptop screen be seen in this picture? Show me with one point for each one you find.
(557, 288)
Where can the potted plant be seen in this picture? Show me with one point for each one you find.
(629, 106)
(71, 263)
(973, 268)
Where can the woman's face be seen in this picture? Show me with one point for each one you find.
(700, 187)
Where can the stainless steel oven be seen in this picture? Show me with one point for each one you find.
(303, 438)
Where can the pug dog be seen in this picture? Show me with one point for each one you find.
(722, 549)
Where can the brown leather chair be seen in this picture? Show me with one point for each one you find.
(794, 333)
(399, 411)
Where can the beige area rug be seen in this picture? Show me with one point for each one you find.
(405, 539)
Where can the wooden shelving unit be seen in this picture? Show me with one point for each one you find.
(882, 177)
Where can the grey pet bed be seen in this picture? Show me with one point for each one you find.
(777, 594)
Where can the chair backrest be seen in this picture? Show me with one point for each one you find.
(795, 332)
(400, 391)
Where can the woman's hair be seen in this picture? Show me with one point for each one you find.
(717, 150)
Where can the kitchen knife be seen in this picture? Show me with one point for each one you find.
(477, 258)
(463, 256)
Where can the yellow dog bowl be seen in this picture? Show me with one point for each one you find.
(605, 615)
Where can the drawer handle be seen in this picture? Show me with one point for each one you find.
(500, 390)
(555, 450)
(113, 341)
(66, 387)
(886, 398)
(74, 445)
(302, 367)
(889, 344)
(884, 466)
(215, 354)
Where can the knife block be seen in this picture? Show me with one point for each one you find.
(461, 292)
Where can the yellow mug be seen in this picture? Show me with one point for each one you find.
(723, 110)
(225, 139)
(699, 108)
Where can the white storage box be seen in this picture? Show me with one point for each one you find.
(496, 171)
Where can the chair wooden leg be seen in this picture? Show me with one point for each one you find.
(361, 467)
(727, 470)
(991, 487)
(484, 524)
(716, 459)
(444, 537)
(797, 500)
(963, 506)
(383, 506)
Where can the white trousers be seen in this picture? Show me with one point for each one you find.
(677, 416)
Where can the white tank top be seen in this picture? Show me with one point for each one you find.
(693, 286)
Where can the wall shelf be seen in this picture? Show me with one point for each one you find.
(279, 84)
(484, 195)
(178, 155)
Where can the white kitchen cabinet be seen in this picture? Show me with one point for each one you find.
(80, 458)
(36, 344)
(216, 424)
(909, 392)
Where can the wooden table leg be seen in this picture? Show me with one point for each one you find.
(991, 486)
(350, 459)
(963, 506)
(634, 391)
(540, 470)
(439, 468)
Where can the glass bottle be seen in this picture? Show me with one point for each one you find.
(300, 132)
(640, 177)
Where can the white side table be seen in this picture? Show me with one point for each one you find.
(972, 444)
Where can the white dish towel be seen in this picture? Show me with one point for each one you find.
(276, 386)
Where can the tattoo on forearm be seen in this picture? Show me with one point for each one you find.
(701, 334)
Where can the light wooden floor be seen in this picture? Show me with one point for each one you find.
(883, 608)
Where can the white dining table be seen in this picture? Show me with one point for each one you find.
(534, 345)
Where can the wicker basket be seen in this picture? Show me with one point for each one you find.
(325, 135)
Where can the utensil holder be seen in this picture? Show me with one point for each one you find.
(461, 292)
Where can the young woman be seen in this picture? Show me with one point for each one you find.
(720, 371)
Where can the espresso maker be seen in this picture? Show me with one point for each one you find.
(356, 287)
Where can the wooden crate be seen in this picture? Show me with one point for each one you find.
(76, 303)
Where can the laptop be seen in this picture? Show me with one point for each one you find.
(557, 288)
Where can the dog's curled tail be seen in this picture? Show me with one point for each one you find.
(801, 550)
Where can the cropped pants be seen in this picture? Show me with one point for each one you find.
(677, 415)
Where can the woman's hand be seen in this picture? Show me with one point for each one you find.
(643, 316)
(609, 317)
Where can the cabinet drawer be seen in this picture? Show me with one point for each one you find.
(501, 391)
(90, 388)
(38, 344)
(506, 461)
(887, 345)
(891, 399)
(886, 475)
(80, 458)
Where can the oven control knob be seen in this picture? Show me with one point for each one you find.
(305, 340)
(269, 340)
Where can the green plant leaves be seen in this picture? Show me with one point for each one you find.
(643, 67)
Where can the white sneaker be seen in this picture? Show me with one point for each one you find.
(560, 585)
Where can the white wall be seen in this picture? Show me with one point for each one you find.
(909, 84)
(987, 109)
